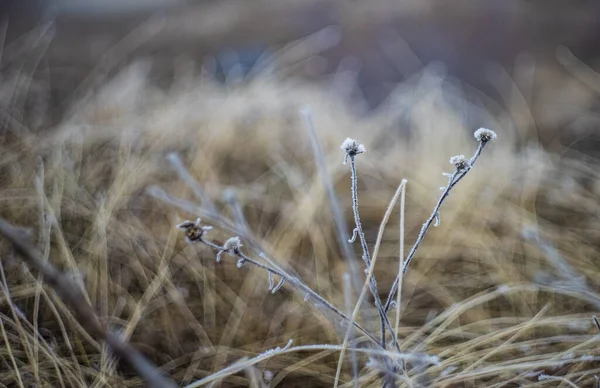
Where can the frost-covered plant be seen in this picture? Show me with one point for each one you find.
(484, 135)
(195, 232)
(462, 166)
(352, 148)
(460, 162)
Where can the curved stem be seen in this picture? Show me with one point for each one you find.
(456, 177)
(384, 322)
(296, 282)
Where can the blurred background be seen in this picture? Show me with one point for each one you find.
(487, 49)
(96, 98)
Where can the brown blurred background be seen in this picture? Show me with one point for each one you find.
(94, 94)
(485, 49)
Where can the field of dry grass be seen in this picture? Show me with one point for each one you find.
(500, 294)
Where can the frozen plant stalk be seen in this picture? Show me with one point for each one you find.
(195, 232)
(462, 166)
(352, 148)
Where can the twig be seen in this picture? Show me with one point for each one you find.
(368, 280)
(195, 232)
(384, 321)
(463, 166)
(352, 148)
(70, 293)
(245, 362)
(296, 282)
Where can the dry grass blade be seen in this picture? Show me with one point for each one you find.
(401, 259)
(557, 378)
(67, 291)
(338, 216)
(386, 217)
(245, 363)
(89, 184)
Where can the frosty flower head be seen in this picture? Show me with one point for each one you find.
(460, 162)
(352, 148)
(194, 230)
(484, 135)
(232, 245)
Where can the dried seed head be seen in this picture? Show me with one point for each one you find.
(186, 225)
(194, 230)
(460, 162)
(232, 245)
(352, 148)
(484, 135)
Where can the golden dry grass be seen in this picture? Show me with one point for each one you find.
(502, 291)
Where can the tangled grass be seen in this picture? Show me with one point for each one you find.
(500, 294)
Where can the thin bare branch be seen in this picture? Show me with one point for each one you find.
(195, 233)
(462, 168)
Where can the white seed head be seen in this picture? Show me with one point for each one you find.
(232, 245)
(460, 162)
(484, 135)
(352, 147)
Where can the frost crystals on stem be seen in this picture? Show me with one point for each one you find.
(462, 166)
(277, 349)
(352, 148)
(272, 287)
(278, 286)
(232, 247)
(354, 235)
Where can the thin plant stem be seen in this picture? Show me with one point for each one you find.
(401, 256)
(292, 280)
(358, 231)
(368, 281)
(247, 362)
(348, 303)
(456, 177)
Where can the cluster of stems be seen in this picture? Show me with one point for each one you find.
(196, 232)
(462, 166)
